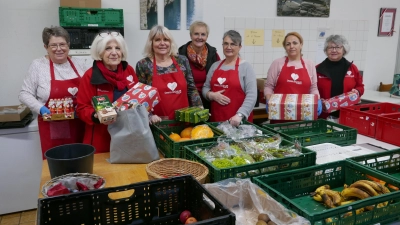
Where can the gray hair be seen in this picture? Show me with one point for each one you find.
(338, 40)
(54, 32)
(154, 32)
(99, 45)
(199, 24)
(234, 35)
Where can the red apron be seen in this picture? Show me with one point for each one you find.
(61, 132)
(172, 88)
(292, 81)
(228, 81)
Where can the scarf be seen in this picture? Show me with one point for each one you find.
(117, 79)
(199, 61)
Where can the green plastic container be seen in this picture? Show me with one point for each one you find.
(292, 189)
(386, 162)
(90, 17)
(174, 149)
(315, 132)
(251, 170)
(245, 122)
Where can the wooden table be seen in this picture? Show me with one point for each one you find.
(114, 174)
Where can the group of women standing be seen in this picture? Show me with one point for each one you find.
(192, 75)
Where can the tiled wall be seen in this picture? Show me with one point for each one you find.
(261, 57)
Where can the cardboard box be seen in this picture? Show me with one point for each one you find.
(293, 107)
(81, 3)
(260, 84)
(104, 109)
(346, 99)
(140, 93)
(13, 113)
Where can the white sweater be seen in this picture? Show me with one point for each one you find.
(36, 87)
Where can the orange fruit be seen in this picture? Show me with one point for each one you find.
(184, 139)
(186, 133)
(174, 137)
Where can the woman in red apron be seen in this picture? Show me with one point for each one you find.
(231, 84)
(54, 79)
(169, 72)
(291, 74)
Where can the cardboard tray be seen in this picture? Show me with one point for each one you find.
(13, 113)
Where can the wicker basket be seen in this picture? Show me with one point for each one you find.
(170, 167)
(56, 180)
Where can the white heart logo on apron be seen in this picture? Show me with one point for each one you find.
(73, 91)
(294, 76)
(348, 72)
(172, 86)
(130, 78)
(221, 80)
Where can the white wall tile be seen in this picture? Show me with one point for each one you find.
(240, 23)
(258, 68)
(267, 35)
(358, 55)
(313, 35)
(278, 24)
(305, 24)
(229, 23)
(268, 47)
(268, 57)
(365, 45)
(353, 25)
(250, 23)
(322, 23)
(366, 33)
(258, 58)
(360, 25)
(249, 49)
(346, 34)
(313, 23)
(249, 56)
(330, 24)
(363, 55)
(259, 23)
(312, 55)
(296, 24)
(345, 25)
(259, 49)
(352, 35)
(305, 34)
(359, 46)
(366, 25)
(269, 24)
(338, 25)
(360, 35)
(266, 68)
(306, 46)
(277, 54)
(287, 24)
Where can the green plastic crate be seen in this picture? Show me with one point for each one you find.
(293, 189)
(173, 149)
(315, 132)
(90, 17)
(255, 169)
(245, 122)
(386, 162)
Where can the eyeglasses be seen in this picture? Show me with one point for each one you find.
(226, 44)
(336, 48)
(61, 45)
(105, 34)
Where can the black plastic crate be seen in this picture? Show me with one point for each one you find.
(293, 188)
(215, 174)
(82, 38)
(157, 202)
(315, 132)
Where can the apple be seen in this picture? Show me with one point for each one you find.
(184, 216)
(191, 220)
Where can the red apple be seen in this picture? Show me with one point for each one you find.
(191, 220)
(184, 216)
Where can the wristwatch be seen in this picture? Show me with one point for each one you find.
(239, 114)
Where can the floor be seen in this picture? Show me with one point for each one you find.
(22, 218)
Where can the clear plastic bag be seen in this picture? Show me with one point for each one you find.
(242, 131)
(247, 201)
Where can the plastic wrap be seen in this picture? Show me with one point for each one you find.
(247, 201)
(242, 131)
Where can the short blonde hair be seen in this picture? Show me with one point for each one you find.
(292, 34)
(99, 45)
(198, 24)
(156, 31)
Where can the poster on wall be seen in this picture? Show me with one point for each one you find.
(387, 17)
(304, 8)
(172, 14)
(194, 10)
(148, 14)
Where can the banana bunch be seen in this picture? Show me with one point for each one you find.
(360, 189)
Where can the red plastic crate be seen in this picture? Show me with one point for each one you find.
(388, 129)
(364, 117)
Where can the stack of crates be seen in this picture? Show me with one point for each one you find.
(83, 24)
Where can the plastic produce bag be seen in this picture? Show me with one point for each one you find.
(242, 131)
(247, 201)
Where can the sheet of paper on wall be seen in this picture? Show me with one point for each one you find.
(322, 34)
(387, 22)
(254, 37)
(277, 38)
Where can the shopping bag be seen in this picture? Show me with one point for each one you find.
(131, 137)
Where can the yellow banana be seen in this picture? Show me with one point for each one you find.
(336, 199)
(346, 202)
(354, 192)
(323, 187)
(375, 185)
(317, 198)
(358, 211)
(327, 200)
(328, 220)
(365, 186)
